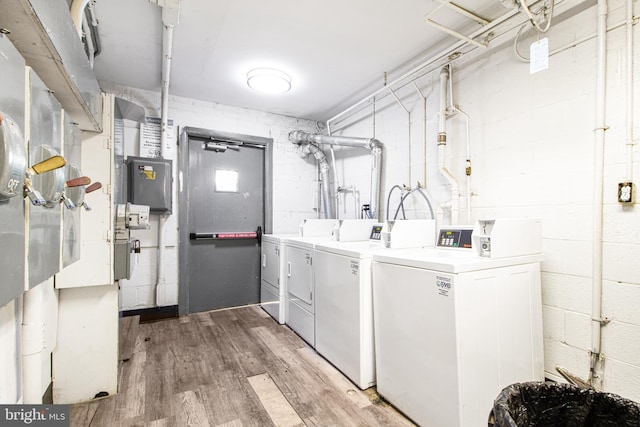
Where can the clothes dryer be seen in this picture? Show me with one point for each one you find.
(300, 285)
(273, 285)
(344, 302)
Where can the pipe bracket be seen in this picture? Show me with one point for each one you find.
(604, 321)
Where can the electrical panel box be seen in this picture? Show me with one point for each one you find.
(149, 183)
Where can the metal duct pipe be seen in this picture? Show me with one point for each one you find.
(300, 137)
(324, 177)
(442, 143)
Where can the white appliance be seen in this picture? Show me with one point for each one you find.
(344, 305)
(299, 265)
(452, 328)
(273, 284)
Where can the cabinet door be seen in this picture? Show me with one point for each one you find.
(299, 271)
(271, 263)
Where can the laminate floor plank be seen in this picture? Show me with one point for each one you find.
(83, 413)
(131, 398)
(128, 335)
(192, 412)
(159, 404)
(229, 368)
(237, 401)
(339, 381)
(164, 422)
(274, 402)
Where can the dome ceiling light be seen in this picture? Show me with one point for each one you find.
(269, 80)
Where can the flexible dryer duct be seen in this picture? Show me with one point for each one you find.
(299, 137)
(324, 176)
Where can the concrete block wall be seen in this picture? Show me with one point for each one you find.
(532, 152)
(295, 189)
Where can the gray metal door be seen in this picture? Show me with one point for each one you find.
(225, 217)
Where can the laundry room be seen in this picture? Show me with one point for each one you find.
(252, 213)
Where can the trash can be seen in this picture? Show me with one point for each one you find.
(551, 404)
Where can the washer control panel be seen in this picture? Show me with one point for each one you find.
(459, 237)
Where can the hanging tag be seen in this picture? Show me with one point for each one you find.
(539, 54)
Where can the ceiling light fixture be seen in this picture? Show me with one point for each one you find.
(269, 80)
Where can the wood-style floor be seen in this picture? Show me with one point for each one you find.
(228, 368)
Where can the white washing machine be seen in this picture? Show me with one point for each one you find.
(273, 284)
(453, 328)
(344, 302)
(299, 273)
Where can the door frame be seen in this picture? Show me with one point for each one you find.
(186, 134)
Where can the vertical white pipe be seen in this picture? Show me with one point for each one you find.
(442, 144)
(629, 85)
(468, 172)
(336, 183)
(424, 134)
(598, 197)
(408, 129)
(32, 345)
(167, 47)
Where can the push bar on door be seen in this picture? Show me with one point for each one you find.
(240, 235)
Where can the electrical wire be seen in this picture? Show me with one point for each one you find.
(532, 18)
(515, 46)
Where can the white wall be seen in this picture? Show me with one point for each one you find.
(11, 354)
(532, 155)
(294, 181)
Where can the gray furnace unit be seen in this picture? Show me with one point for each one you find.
(149, 183)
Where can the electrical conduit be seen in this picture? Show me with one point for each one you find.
(629, 84)
(169, 20)
(595, 376)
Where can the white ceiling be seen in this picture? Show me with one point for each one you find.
(336, 51)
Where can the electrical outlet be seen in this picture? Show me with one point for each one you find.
(626, 193)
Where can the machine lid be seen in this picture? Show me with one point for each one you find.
(307, 242)
(278, 238)
(448, 261)
(349, 249)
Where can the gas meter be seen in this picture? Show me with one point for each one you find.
(13, 160)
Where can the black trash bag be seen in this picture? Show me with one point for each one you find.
(549, 404)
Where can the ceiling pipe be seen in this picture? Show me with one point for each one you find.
(299, 137)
